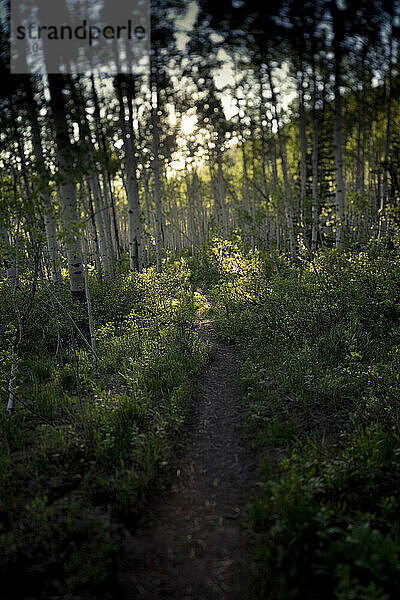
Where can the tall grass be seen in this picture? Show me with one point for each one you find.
(78, 462)
(319, 348)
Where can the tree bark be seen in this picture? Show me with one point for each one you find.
(285, 176)
(48, 216)
(340, 191)
(314, 161)
(132, 191)
(69, 210)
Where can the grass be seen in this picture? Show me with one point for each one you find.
(319, 350)
(79, 463)
(319, 367)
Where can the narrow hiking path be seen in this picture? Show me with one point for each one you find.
(195, 547)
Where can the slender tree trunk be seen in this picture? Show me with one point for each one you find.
(388, 118)
(69, 210)
(221, 193)
(102, 207)
(285, 176)
(314, 161)
(190, 215)
(89, 303)
(157, 189)
(106, 176)
(303, 147)
(246, 193)
(6, 253)
(337, 133)
(267, 224)
(92, 229)
(102, 227)
(132, 191)
(262, 135)
(146, 188)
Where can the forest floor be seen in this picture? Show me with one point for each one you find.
(195, 545)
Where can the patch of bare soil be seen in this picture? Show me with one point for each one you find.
(195, 546)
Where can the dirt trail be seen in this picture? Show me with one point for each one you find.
(195, 547)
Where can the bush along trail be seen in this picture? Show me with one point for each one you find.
(195, 546)
(318, 345)
(92, 443)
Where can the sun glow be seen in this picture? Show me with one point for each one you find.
(188, 124)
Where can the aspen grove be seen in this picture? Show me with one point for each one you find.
(252, 175)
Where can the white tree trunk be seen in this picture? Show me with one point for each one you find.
(337, 134)
(285, 176)
(303, 147)
(89, 303)
(103, 226)
(384, 196)
(157, 189)
(69, 210)
(314, 161)
(6, 252)
(48, 215)
(132, 191)
(221, 193)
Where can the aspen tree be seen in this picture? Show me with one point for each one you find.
(157, 183)
(48, 214)
(106, 176)
(340, 191)
(69, 209)
(131, 186)
(285, 175)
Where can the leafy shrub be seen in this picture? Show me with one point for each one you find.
(319, 370)
(89, 442)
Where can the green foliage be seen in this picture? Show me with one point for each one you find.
(319, 370)
(72, 452)
(47, 542)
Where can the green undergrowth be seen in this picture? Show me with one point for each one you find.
(320, 371)
(88, 443)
